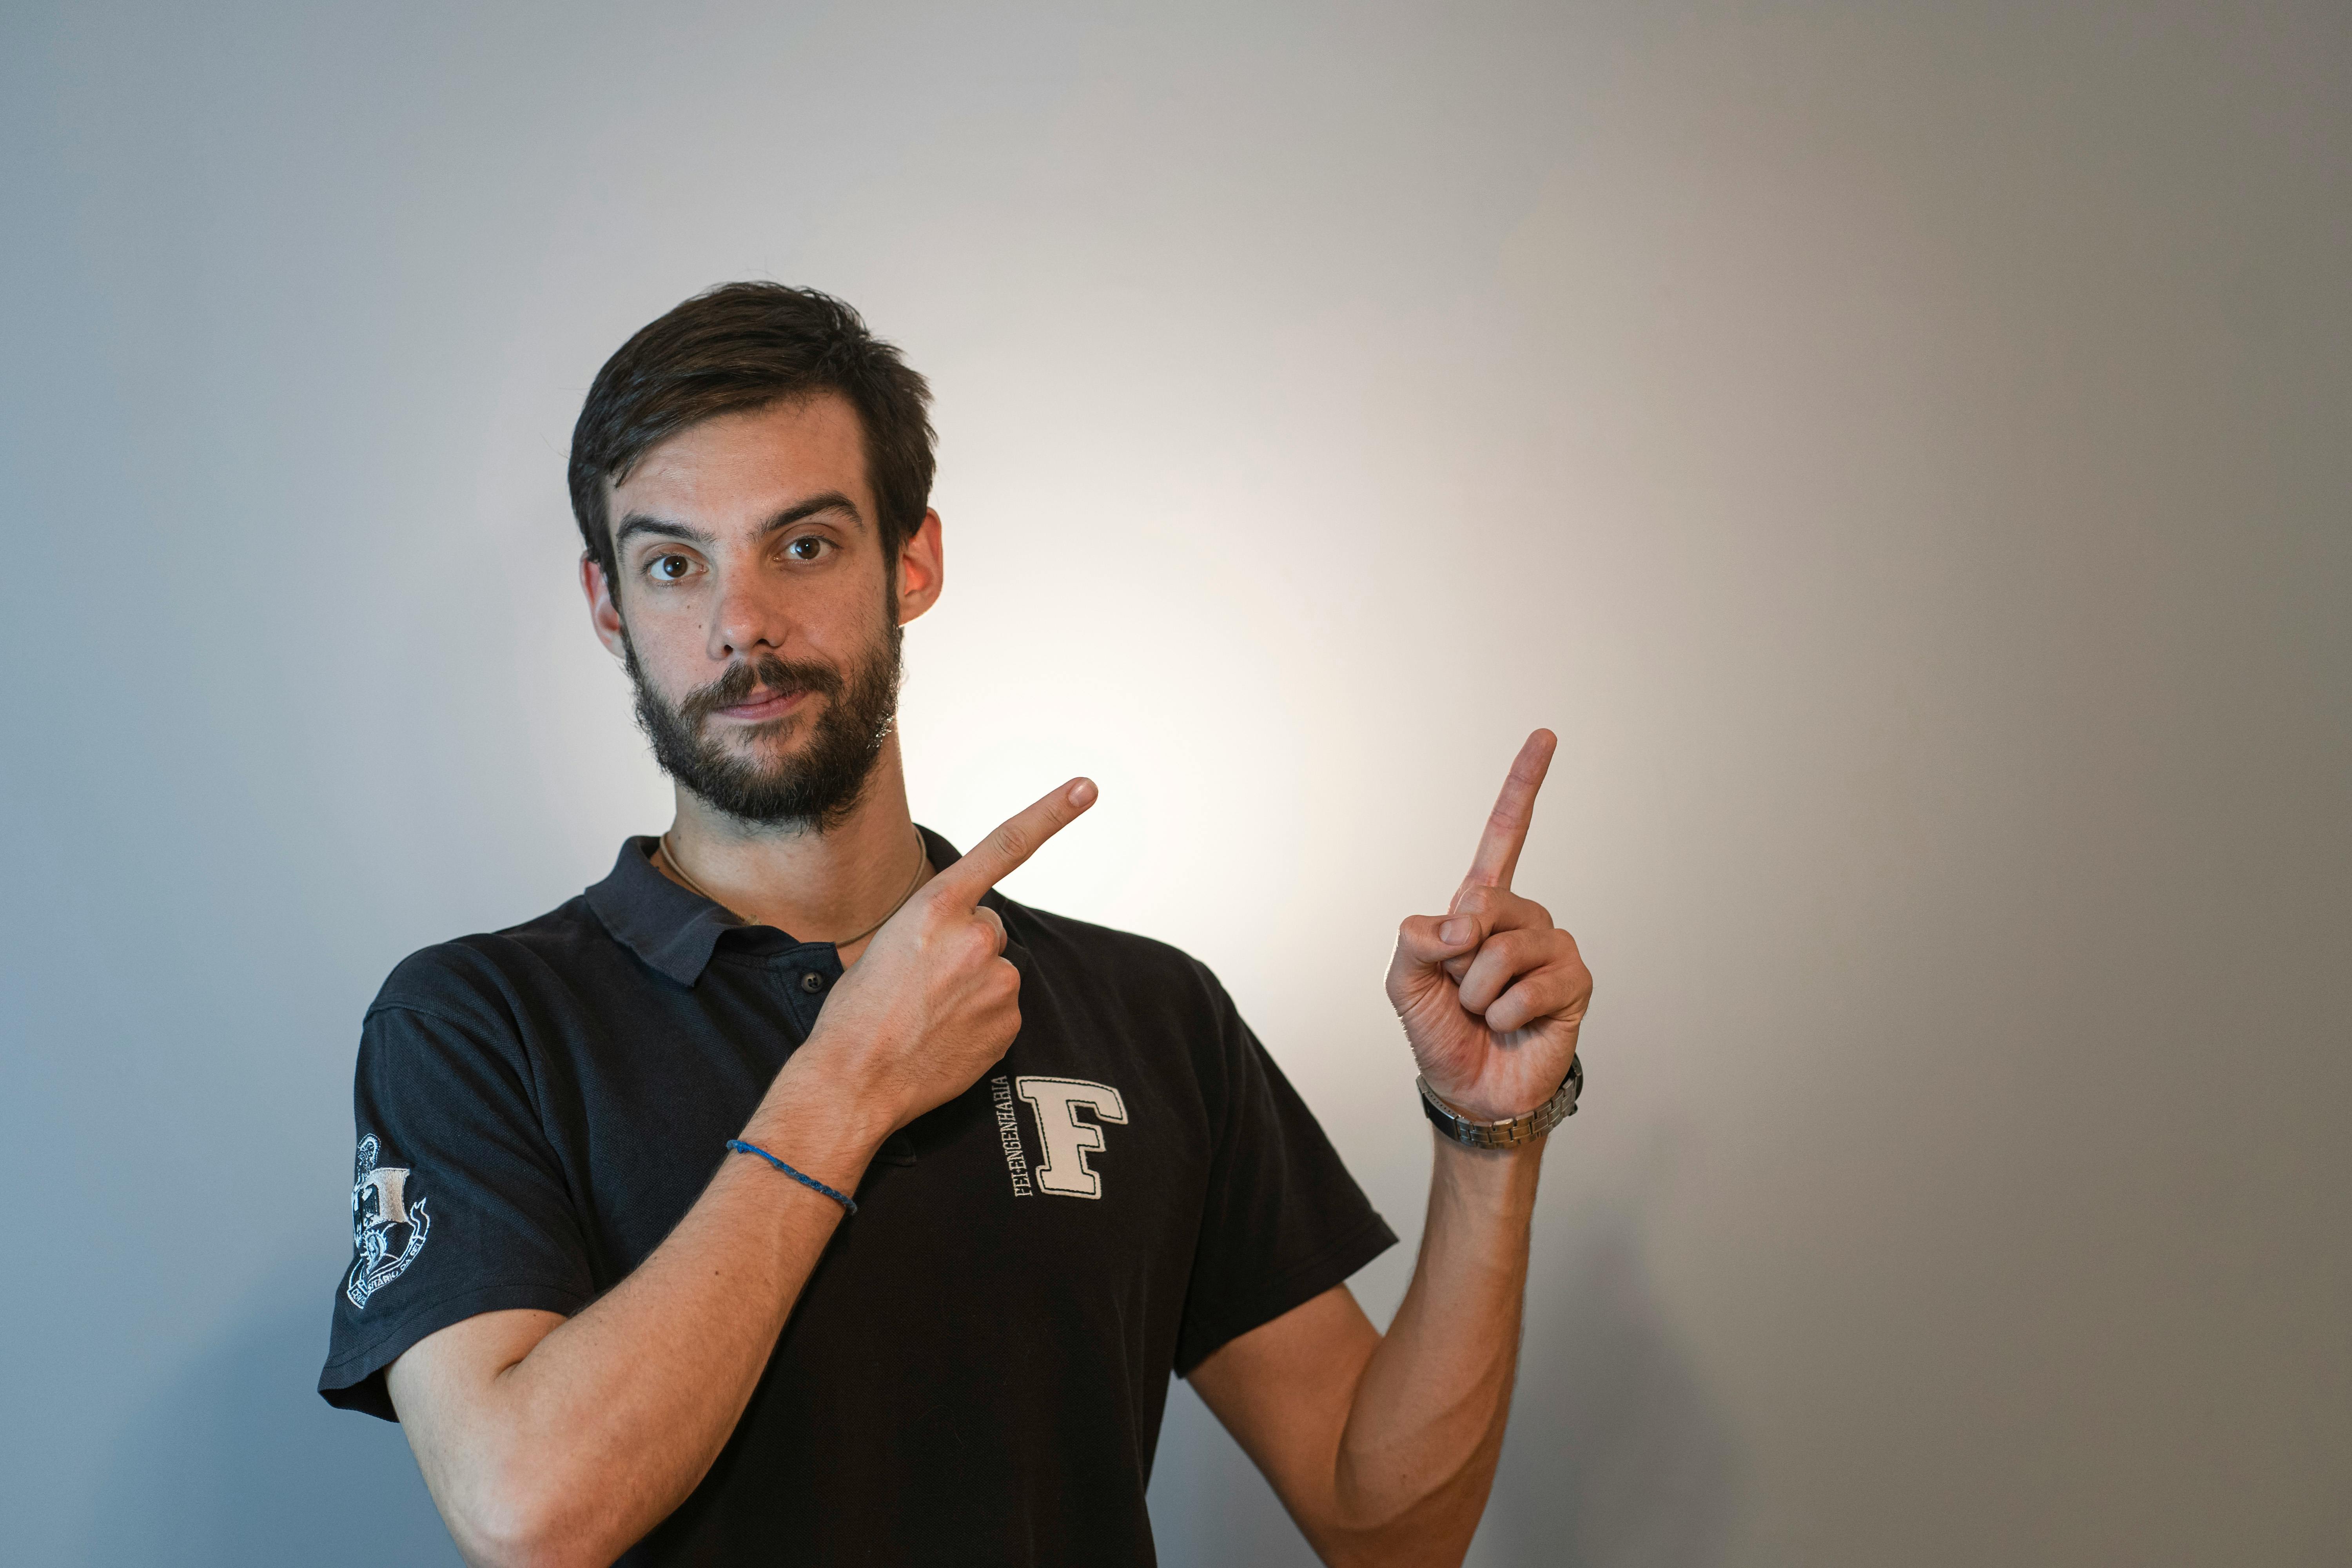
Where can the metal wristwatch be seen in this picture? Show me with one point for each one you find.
(1514, 1130)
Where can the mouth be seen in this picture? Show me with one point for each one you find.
(762, 706)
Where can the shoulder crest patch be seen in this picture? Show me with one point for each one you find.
(380, 1206)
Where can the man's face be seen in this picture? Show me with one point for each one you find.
(756, 613)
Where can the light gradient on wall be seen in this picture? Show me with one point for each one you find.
(1903, 450)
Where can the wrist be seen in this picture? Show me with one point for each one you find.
(1472, 1157)
(1492, 1181)
(1464, 1123)
(1491, 1186)
(1477, 1102)
(820, 1120)
(1475, 1107)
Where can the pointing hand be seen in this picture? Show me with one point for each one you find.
(1491, 993)
(933, 1003)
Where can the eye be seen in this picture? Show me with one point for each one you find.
(670, 568)
(807, 547)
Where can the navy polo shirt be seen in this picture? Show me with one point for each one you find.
(976, 1370)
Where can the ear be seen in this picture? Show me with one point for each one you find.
(922, 568)
(602, 614)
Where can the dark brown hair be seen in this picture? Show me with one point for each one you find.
(743, 346)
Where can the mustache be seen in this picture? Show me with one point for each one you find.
(748, 676)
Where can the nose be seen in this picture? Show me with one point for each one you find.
(745, 621)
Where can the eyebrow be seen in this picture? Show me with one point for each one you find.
(638, 522)
(831, 500)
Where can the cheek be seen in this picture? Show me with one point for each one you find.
(670, 650)
(832, 621)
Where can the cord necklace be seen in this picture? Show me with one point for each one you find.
(922, 858)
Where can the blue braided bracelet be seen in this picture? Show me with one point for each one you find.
(844, 1199)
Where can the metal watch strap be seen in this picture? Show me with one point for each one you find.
(1516, 1130)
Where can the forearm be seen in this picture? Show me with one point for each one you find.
(1417, 1454)
(601, 1428)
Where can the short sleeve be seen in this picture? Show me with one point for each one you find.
(458, 1202)
(1283, 1221)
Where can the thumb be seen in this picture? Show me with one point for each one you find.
(1427, 942)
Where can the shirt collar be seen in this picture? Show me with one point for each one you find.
(674, 929)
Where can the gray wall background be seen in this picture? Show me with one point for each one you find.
(1904, 449)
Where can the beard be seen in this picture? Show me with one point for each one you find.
(818, 787)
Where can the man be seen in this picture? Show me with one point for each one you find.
(792, 1195)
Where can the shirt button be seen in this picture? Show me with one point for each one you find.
(812, 983)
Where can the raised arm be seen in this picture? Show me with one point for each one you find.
(1383, 1448)
(550, 1441)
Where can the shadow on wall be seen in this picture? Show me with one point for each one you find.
(1616, 1458)
(1617, 1455)
(238, 1463)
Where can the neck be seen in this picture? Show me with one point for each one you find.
(819, 886)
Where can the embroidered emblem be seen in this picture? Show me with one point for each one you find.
(1068, 1139)
(379, 1207)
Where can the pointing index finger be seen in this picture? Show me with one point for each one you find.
(1507, 824)
(1000, 854)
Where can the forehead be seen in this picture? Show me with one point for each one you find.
(745, 467)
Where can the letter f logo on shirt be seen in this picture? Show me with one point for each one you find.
(1067, 1139)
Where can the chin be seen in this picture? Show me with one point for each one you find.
(769, 737)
